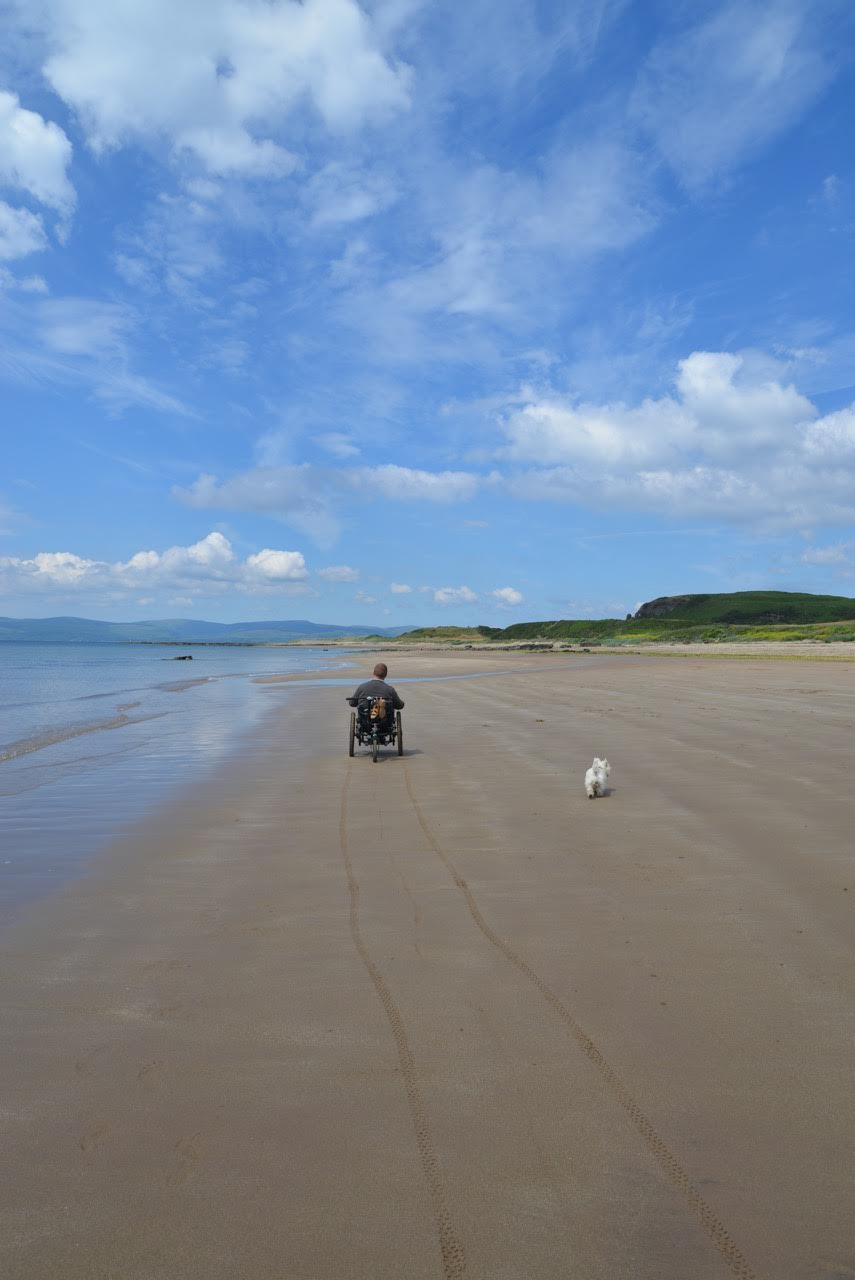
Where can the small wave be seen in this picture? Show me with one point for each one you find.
(63, 733)
(178, 686)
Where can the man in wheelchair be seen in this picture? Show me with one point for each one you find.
(373, 690)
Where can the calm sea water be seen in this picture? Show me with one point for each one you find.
(94, 736)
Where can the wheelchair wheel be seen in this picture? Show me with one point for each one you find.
(400, 733)
(375, 749)
(352, 736)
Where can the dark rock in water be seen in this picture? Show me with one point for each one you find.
(183, 657)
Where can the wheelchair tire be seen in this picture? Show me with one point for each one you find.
(352, 733)
(400, 733)
(375, 750)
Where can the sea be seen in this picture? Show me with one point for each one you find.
(95, 736)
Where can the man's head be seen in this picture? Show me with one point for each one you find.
(381, 671)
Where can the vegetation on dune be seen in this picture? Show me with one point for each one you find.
(447, 635)
(709, 619)
(750, 607)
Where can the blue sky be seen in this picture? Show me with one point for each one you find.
(423, 311)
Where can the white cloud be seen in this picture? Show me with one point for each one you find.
(831, 188)
(277, 566)
(68, 342)
(507, 596)
(34, 155)
(298, 495)
(400, 589)
(454, 595)
(312, 498)
(723, 408)
(23, 283)
(732, 441)
(832, 437)
(344, 192)
(21, 233)
(408, 485)
(83, 326)
(827, 555)
(218, 78)
(339, 573)
(499, 236)
(338, 444)
(207, 567)
(714, 94)
(56, 567)
(362, 598)
(225, 152)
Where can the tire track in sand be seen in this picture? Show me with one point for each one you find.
(451, 1249)
(721, 1238)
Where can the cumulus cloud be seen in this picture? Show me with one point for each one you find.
(400, 589)
(207, 567)
(277, 566)
(218, 79)
(721, 409)
(733, 441)
(339, 573)
(446, 596)
(34, 155)
(507, 596)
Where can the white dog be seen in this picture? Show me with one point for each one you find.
(595, 778)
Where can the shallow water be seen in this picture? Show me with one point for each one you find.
(93, 737)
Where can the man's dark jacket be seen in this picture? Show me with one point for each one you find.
(376, 689)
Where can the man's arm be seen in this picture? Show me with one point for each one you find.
(397, 703)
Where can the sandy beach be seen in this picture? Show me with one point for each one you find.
(442, 1016)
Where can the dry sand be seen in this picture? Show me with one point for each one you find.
(443, 1016)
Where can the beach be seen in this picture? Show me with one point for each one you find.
(442, 1016)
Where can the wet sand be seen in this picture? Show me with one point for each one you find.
(442, 1016)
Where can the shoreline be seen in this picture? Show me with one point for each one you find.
(838, 650)
(320, 1018)
(72, 786)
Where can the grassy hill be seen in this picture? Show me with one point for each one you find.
(746, 607)
(740, 615)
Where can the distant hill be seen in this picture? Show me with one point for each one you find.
(750, 607)
(177, 631)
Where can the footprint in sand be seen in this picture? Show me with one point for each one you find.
(91, 1142)
(188, 1152)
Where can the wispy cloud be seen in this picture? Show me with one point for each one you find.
(712, 95)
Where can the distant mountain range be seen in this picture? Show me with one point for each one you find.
(178, 631)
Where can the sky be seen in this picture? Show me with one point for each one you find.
(414, 311)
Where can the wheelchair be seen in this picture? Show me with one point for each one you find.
(371, 730)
